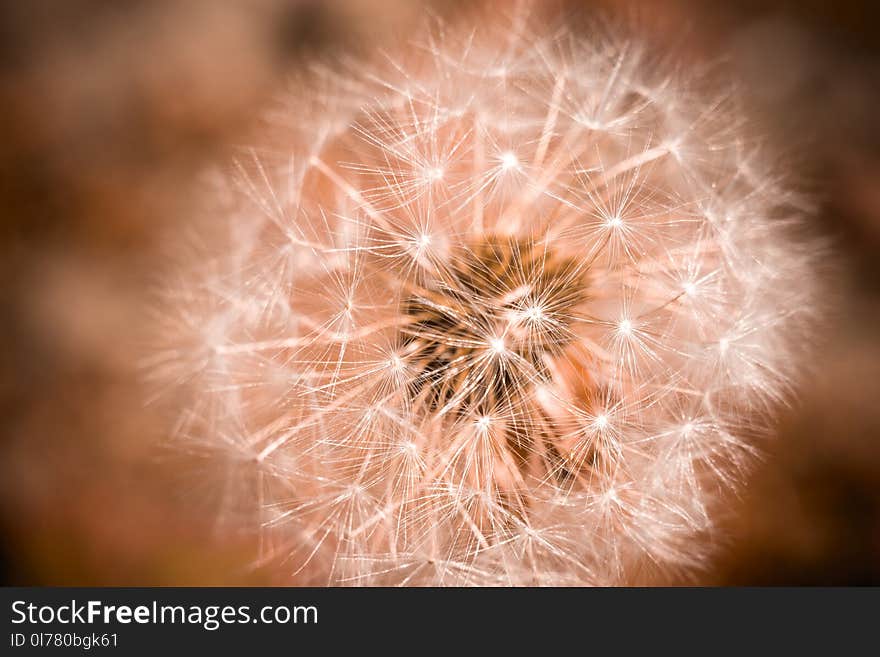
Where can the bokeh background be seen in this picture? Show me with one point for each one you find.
(109, 114)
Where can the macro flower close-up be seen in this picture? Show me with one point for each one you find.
(507, 307)
(432, 293)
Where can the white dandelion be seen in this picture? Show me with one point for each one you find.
(500, 309)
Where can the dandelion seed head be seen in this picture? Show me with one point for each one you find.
(508, 307)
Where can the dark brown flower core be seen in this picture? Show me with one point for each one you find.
(487, 321)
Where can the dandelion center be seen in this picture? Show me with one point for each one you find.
(475, 340)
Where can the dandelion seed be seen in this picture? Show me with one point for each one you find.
(615, 221)
(498, 346)
(434, 174)
(534, 314)
(509, 161)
